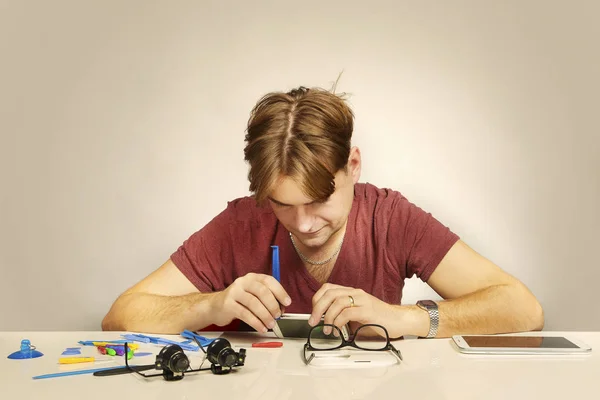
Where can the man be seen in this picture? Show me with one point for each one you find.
(346, 247)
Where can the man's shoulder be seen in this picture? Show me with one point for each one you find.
(371, 194)
(381, 204)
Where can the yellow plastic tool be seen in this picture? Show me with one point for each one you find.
(75, 360)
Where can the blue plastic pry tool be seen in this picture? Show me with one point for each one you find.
(70, 373)
(143, 354)
(275, 263)
(204, 341)
(137, 337)
(71, 352)
(26, 351)
(91, 342)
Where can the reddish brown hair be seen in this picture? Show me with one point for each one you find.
(303, 134)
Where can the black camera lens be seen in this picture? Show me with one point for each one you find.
(229, 359)
(179, 362)
(172, 358)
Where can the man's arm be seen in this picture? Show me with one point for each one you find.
(479, 298)
(164, 302)
(167, 302)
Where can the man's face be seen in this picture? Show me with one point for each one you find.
(312, 222)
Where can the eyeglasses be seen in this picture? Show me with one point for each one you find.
(369, 337)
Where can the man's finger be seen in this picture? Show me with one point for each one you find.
(278, 291)
(336, 307)
(248, 317)
(346, 315)
(256, 307)
(265, 296)
(323, 289)
(323, 304)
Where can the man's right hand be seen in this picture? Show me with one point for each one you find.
(256, 299)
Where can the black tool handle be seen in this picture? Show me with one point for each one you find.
(123, 370)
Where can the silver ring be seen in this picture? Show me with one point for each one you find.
(351, 301)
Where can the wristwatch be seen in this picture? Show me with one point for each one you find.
(434, 316)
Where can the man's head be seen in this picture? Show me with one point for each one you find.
(301, 159)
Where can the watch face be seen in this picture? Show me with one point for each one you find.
(427, 303)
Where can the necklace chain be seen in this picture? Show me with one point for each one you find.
(308, 260)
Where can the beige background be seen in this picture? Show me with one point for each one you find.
(122, 127)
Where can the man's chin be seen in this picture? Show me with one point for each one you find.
(313, 241)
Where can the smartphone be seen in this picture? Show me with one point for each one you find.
(516, 344)
(291, 325)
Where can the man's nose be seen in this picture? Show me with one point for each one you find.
(304, 221)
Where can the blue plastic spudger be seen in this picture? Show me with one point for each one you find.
(68, 373)
(275, 263)
(91, 342)
(191, 335)
(160, 341)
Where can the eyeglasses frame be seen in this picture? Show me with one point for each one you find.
(348, 343)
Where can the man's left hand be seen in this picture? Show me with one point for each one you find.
(342, 305)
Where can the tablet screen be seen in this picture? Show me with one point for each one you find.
(520, 342)
(298, 328)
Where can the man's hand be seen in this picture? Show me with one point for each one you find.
(255, 299)
(342, 305)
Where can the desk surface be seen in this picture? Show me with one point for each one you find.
(432, 369)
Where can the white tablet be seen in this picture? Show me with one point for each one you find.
(516, 344)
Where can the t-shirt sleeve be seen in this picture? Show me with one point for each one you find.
(203, 255)
(418, 240)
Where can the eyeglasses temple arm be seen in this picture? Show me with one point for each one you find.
(307, 361)
(396, 352)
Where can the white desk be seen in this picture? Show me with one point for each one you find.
(432, 369)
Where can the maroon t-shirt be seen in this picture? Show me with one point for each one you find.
(388, 239)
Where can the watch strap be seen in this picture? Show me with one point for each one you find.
(434, 316)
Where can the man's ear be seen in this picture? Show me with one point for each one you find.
(354, 164)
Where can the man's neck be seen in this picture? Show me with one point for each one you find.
(327, 249)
